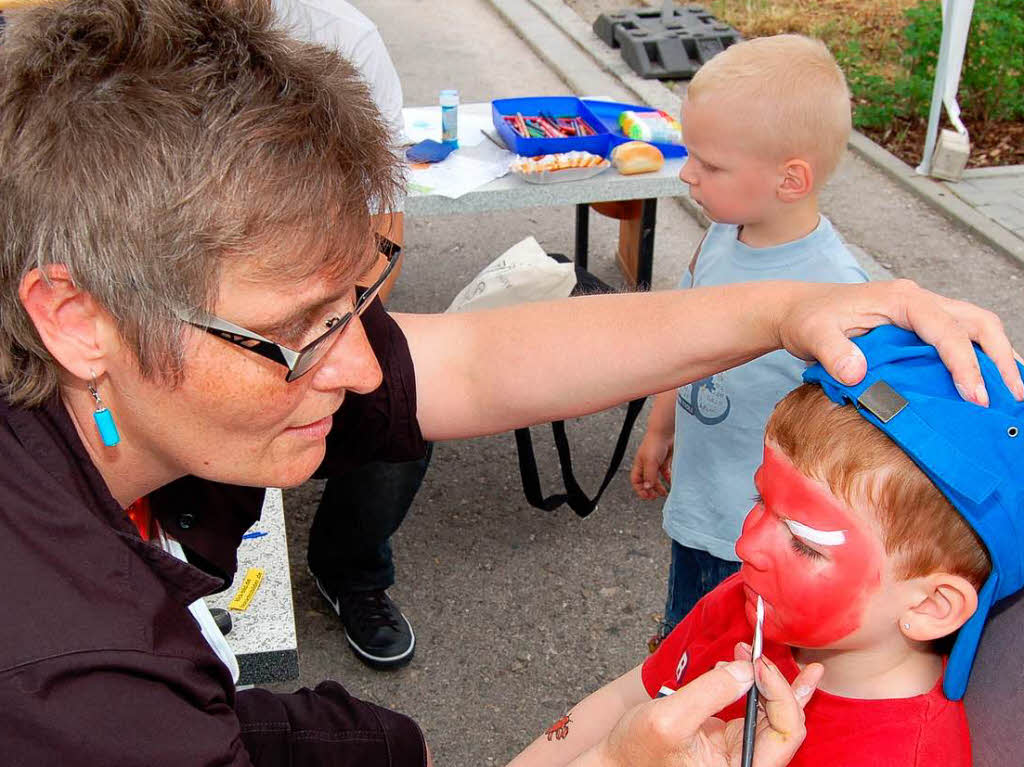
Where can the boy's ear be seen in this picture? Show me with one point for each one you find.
(945, 603)
(72, 326)
(797, 180)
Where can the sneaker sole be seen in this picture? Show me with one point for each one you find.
(377, 661)
(385, 662)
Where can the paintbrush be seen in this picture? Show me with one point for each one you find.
(750, 720)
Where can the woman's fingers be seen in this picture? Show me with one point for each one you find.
(935, 320)
(807, 682)
(986, 329)
(781, 728)
(743, 651)
(689, 707)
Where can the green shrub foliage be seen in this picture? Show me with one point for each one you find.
(991, 83)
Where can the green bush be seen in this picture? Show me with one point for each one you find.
(991, 83)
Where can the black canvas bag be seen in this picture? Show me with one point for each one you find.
(579, 501)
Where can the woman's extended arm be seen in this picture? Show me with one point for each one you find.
(490, 371)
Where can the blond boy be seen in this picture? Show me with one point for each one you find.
(765, 123)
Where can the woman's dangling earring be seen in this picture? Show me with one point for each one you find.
(104, 420)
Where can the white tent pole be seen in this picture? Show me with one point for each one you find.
(960, 24)
(956, 26)
(941, 69)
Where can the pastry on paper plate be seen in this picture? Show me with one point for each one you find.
(565, 166)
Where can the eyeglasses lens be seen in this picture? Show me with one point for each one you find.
(313, 353)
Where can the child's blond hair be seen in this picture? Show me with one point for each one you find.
(790, 90)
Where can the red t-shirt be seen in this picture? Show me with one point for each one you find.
(923, 731)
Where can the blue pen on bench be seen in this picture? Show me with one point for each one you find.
(253, 535)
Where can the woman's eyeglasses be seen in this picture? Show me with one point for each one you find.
(302, 361)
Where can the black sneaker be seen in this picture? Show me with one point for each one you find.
(380, 636)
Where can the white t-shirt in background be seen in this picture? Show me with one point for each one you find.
(338, 25)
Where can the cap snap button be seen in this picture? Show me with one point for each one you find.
(185, 521)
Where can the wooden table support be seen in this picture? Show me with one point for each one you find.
(635, 254)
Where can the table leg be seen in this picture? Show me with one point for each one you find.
(582, 233)
(645, 255)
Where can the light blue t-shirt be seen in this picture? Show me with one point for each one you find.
(719, 430)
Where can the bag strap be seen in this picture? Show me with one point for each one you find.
(578, 500)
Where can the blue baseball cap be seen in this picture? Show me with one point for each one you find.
(974, 455)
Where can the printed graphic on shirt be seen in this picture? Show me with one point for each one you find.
(681, 667)
(706, 400)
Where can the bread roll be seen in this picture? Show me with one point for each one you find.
(637, 157)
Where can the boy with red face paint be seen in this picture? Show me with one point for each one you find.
(889, 520)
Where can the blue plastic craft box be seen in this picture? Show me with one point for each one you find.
(602, 116)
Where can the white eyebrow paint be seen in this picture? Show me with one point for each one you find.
(820, 537)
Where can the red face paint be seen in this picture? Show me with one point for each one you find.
(810, 600)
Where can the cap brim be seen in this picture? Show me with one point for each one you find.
(961, 659)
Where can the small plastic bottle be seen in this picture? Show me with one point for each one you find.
(450, 116)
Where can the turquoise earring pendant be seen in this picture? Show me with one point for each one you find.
(104, 419)
(106, 427)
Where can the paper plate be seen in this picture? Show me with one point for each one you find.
(526, 168)
(566, 174)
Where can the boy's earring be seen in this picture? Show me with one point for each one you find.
(104, 420)
(906, 626)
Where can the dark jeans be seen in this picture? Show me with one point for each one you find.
(693, 574)
(349, 541)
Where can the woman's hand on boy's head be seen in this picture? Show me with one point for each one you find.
(820, 320)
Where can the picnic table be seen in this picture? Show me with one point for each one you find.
(511, 192)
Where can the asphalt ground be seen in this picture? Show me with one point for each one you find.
(520, 613)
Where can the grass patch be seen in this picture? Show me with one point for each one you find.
(876, 24)
(888, 50)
